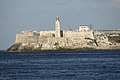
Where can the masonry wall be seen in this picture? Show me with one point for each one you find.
(107, 31)
(27, 37)
(47, 33)
(78, 34)
(48, 36)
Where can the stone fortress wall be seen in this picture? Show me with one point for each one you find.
(33, 37)
(27, 36)
(107, 32)
(78, 34)
(47, 33)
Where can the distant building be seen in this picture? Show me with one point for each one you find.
(84, 28)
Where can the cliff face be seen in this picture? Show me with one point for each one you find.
(54, 44)
(62, 43)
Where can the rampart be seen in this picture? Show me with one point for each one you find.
(47, 33)
(78, 34)
(107, 31)
(27, 37)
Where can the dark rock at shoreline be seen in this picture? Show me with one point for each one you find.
(14, 47)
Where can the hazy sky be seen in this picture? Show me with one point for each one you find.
(18, 15)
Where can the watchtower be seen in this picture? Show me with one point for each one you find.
(57, 27)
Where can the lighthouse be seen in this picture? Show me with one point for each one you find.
(57, 27)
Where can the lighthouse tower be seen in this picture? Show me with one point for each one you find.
(57, 27)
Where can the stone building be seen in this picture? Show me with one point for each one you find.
(83, 37)
(84, 28)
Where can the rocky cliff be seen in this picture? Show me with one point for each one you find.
(63, 43)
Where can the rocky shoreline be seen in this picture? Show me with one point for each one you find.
(17, 47)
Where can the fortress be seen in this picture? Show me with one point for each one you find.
(64, 39)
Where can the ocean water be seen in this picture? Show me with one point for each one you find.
(60, 65)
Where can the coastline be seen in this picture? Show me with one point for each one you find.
(16, 49)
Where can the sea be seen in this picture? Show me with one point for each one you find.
(60, 65)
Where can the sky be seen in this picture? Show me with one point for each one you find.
(19, 15)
